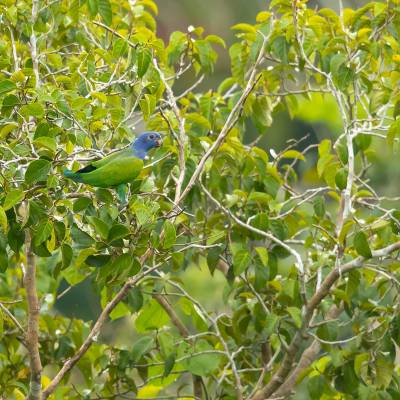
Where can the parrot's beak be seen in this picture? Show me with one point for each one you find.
(158, 142)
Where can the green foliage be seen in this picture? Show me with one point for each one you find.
(268, 227)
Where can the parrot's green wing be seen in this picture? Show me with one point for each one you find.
(118, 154)
(114, 172)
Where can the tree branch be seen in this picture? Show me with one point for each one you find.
(286, 366)
(230, 121)
(93, 335)
(13, 319)
(33, 41)
(32, 333)
(306, 359)
(181, 138)
(197, 381)
(267, 235)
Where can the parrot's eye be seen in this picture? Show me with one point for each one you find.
(151, 137)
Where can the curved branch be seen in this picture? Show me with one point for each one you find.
(286, 366)
(93, 335)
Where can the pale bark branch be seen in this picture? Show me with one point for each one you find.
(181, 138)
(287, 363)
(93, 335)
(13, 319)
(32, 333)
(306, 359)
(230, 121)
(33, 42)
(14, 49)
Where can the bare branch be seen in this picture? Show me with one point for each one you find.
(181, 138)
(286, 366)
(33, 41)
(229, 123)
(32, 333)
(93, 335)
(14, 49)
(13, 319)
(306, 359)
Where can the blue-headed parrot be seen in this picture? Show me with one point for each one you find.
(119, 168)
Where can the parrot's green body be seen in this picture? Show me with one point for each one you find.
(116, 169)
(119, 168)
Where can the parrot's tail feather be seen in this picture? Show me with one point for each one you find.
(71, 175)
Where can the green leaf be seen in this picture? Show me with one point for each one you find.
(141, 347)
(123, 262)
(135, 299)
(262, 253)
(118, 231)
(363, 141)
(344, 77)
(169, 364)
(152, 316)
(393, 132)
(66, 253)
(216, 39)
(3, 220)
(295, 313)
(6, 86)
(42, 233)
(120, 47)
(319, 206)
(81, 204)
(7, 129)
(361, 363)
(244, 28)
(32, 110)
(93, 7)
(361, 245)
(147, 105)
(293, 154)
(260, 221)
(280, 48)
(384, 371)
(37, 171)
(206, 55)
(105, 11)
(241, 260)
(341, 179)
(100, 226)
(143, 213)
(80, 237)
(213, 256)
(143, 61)
(121, 310)
(169, 234)
(45, 142)
(13, 198)
(98, 260)
(324, 147)
(203, 364)
(279, 229)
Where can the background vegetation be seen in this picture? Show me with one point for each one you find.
(258, 255)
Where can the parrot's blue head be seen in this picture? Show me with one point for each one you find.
(145, 142)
